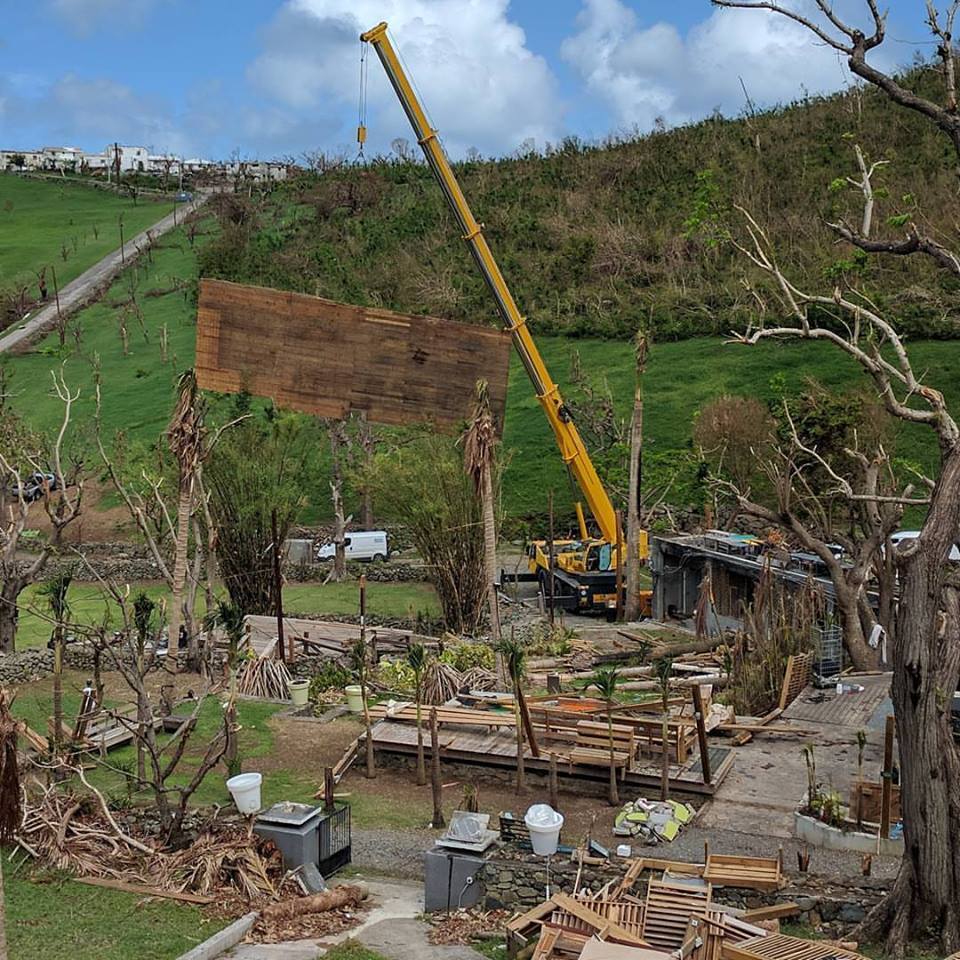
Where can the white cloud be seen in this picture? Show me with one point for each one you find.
(479, 80)
(84, 15)
(645, 72)
(93, 112)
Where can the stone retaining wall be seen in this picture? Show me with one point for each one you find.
(517, 881)
(35, 664)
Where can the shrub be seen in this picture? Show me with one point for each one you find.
(331, 676)
(466, 656)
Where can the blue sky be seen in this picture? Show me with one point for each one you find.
(269, 78)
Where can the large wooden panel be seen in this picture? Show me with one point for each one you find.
(330, 359)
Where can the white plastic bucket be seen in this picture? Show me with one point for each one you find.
(245, 790)
(299, 692)
(544, 824)
(354, 697)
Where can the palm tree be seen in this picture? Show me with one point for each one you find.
(514, 655)
(361, 667)
(186, 437)
(417, 659)
(663, 668)
(605, 679)
(479, 443)
(54, 592)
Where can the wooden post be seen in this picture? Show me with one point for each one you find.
(329, 785)
(527, 723)
(887, 783)
(550, 554)
(553, 683)
(701, 733)
(620, 558)
(438, 820)
(277, 583)
(554, 787)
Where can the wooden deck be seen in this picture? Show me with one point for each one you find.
(331, 636)
(854, 710)
(497, 747)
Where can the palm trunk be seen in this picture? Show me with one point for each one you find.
(632, 606)
(521, 761)
(180, 568)
(664, 743)
(490, 551)
(58, 691)
(614, 792)
(421, 761)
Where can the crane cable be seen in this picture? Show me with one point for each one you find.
(362, 106)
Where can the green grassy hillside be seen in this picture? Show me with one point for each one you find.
(595, 240)
(40, 221)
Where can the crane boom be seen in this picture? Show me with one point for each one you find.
(572, 448)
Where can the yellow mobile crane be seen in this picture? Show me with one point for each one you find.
(584, 570)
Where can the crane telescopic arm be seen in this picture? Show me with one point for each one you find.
(572, 448)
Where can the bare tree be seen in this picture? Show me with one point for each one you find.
(926, 654)
(926, 651)
(61, 502)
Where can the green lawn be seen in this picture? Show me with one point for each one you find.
(138, 387)
(39, 219)
(50, 917)
(89, 606)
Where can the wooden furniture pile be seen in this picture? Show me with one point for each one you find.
(675, 919)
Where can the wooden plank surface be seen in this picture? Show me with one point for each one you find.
(331, 359)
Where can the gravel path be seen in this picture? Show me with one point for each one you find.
(85, 288)
(393, 853)
(399, 853)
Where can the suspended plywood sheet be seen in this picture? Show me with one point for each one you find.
(331, 359)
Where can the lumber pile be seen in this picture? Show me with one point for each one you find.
(754, 873)
(264, 677)
(676, 920)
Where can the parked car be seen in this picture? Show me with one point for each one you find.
(34, 486)
(359, 545)
(184, 197)
(905, 536)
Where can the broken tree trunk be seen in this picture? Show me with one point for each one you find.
(345, 895)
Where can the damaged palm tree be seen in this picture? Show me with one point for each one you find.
(514, 655)
(605, 681)
(479, 445)
(186, 437)
(663, 668)
(54, 592)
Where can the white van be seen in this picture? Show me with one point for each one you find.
(359, 545)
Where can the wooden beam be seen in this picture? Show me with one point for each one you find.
(144, 891)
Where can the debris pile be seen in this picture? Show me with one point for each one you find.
(653, 821)
(675, 919)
